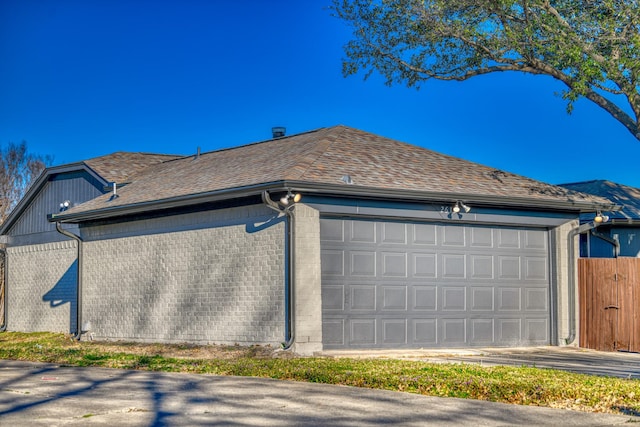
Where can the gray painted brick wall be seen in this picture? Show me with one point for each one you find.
(41, 289)
(308, 285)
(215, 277)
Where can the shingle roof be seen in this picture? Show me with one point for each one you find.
(121, 166)
(623, 195)
(323, 157)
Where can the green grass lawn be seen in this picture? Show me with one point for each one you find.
(525, 386)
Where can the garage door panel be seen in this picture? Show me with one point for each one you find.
(537, 331)
(482, 237)
(362, 231)
(332, 263)
(535, 240)
(508, 238)
(393, 284)
(394, 331)
(536, 299)
(333, 332)
(424, 265)
(510, 299)
(536, 268)
(508, 331)
(453, 236)
(425, 298)
(331, 231)
(394, 233)
(454, 298)
(482, 299)
(363, 332)
(394, 264)
(453, 266)
(394, 298)
(482, 331)
(481, 266)
(362, 297)
(509, 267)
(454, 331)
(425, 332)
(424, 234)
(333, 298)
(362, 263)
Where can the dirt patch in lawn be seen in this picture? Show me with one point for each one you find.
(193, 351)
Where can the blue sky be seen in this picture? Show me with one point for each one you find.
(84, 78)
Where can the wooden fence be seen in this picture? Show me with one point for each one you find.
(609, 294)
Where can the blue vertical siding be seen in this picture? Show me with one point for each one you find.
(76, 187)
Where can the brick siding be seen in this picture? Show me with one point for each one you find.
(217, 278)
(41, 288)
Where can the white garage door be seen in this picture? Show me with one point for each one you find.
(389, 284)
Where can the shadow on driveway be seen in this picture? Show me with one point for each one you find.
(572, 359)
(43, 394)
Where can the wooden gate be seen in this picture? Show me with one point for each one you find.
(609, 295)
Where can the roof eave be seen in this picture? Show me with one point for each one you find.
(174, 202)
(486, 200)
(343, 190)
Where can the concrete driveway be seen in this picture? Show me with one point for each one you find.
(572, 359)
(38, 394)
(612, 364)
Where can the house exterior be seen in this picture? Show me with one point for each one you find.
(620, 235)
(42, 256)
(390, 246)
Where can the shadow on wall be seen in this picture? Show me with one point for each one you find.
(263, 223)
(63, 292)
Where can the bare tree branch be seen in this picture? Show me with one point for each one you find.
(18, 170)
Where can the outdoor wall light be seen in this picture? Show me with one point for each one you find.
(599, 219)
(460, 206)
(290, 198)
(65, 205)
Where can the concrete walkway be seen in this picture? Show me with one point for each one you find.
(36, 394)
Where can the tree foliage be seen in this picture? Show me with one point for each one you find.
(592, 46)
(18, 170)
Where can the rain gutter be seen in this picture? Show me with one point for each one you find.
(66, 233)
(332, 189)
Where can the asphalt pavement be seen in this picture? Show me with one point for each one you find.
(37, 394)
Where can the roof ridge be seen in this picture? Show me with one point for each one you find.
(141, 153)
(264, 141)
(338, 129)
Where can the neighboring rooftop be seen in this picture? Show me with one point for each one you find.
(321, 158)
(620, 194)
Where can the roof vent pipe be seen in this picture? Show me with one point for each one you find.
(278, 131)
(114, 195)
